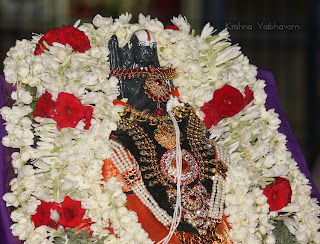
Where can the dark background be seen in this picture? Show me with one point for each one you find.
(258, 26)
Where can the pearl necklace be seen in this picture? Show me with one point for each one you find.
(218, 186)
(129, 170)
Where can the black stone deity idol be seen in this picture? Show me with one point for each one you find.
(144, 149)
(146, 86)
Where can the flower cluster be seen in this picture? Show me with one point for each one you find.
(226, 102)
(279, 193)
(61, 122)
(67, 111)
(68, 214)
(64, 35)
(64, 113)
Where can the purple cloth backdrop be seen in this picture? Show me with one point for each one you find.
(5, 232)
(272, 102)
(285, 128)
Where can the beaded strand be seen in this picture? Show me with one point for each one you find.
(216, 205)
(222, 154)
(146, 198)
(124, 164)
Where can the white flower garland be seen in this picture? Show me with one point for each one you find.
(68, 162)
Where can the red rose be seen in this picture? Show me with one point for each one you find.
(42, 217)
(172, 27)
(71, 213)
(65, 35)
(77, 39)
(68, 110)
(45, 106)
(212, 116)
(88, 110)
(249, 96)
(279, 193)
(84, 226)
(50, 37)
(226, 102)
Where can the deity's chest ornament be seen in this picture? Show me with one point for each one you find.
(203, 166)
(190, 168)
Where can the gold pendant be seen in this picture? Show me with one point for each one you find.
(165, 134)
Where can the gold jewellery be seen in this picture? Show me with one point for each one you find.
(201, 208)
(165, 134)
(157, 84)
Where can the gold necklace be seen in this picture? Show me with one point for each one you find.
(197, 209)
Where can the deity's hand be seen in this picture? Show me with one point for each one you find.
(114, 56)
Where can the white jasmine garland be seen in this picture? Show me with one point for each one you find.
(68, 162)
(11, 199)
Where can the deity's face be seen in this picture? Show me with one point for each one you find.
(144, 47)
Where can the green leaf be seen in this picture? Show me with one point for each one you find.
(65, 66)
(254, 139)
(86, 68)
(282, 233)
(45, 44)
(210, 39)
(79, 238)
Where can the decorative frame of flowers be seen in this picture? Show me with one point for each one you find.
(60, 158)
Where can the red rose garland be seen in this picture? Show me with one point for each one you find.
(226, 102)
(279, 193)
(76, 38)
(67, 111)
